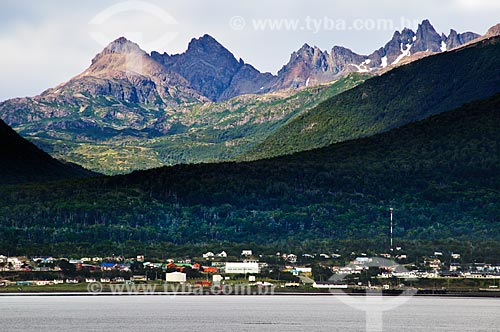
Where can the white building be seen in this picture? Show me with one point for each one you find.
(15, 262)
(208, 255)
(246, 253)
(178, 277)
(291, 258)
(328, 285)
(241, 268)
(222, 254)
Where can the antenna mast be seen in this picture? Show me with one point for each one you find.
(391, 209)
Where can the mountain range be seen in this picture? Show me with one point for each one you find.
(132, 110)
(317, 165)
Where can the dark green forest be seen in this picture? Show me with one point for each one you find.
(21, 161)
(439, 174)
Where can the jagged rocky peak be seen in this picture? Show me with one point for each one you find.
(120, 46)
(456, 39)
(427, 39)
(493, 31)
(214, 71)
(205, 44)
(311, 65)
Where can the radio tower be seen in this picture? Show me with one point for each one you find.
(391, 209)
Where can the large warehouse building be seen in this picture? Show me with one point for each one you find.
(241, 268)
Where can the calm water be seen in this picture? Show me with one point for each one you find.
(238, 313)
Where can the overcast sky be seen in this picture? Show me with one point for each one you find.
(44, 43)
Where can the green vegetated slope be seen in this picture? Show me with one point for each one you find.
(441, 175)
(21, 161)
(112, 136)
(409, 93)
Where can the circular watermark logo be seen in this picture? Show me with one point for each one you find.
(237, 23)
(94, 288)
(376, 300)
(140, 7)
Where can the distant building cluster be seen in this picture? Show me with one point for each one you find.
(216, 268)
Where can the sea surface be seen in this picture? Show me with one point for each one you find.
(246, 313)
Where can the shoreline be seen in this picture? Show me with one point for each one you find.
(474, 294)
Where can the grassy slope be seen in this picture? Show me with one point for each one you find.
(111, 137)
(409, 93)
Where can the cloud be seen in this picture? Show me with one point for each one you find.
(478, 5)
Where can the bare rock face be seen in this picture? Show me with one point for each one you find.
(455, 39)
(493, 31)
(207, 71)
(214, 71)
(310, 65)
(427, 39)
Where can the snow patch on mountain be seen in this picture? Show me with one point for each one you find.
(384, 62)
(404, 53)
(443, 46)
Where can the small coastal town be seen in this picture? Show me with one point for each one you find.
(438, 271)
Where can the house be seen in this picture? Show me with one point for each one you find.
(222, 254)
(138, 278)
(455, 267)
(210, 269)
(299, 270)
(208, 255)
(15, 262)
(217, 279)
(455, 256)
(108, 266)
(246, 253)
(180, 267)
(140, 258)
(325, 256)
(362, 261)
(434, 263)
(291, 258)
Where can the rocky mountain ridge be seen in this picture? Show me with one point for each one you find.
(310, 65)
